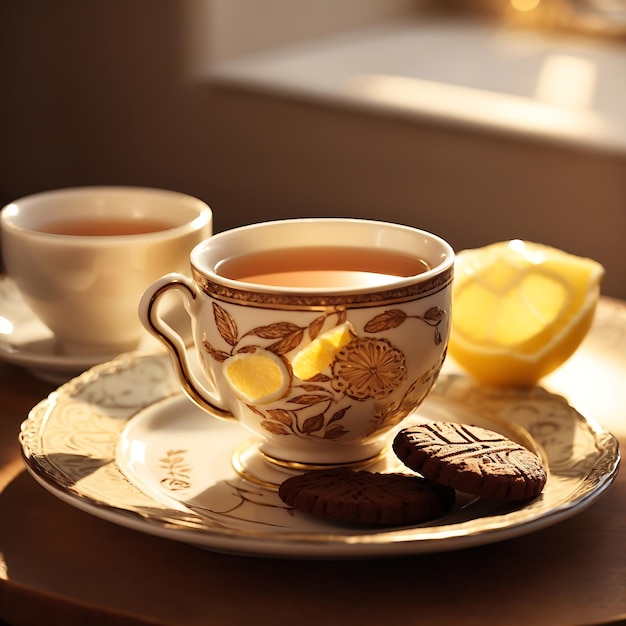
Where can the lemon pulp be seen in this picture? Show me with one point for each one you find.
(520, 310)
(319, 354)
(258, 377)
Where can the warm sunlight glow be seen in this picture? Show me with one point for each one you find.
(6, 326)
(525, 5)
(567, 81)
(11, 210)
(589, 380)
(515, 113)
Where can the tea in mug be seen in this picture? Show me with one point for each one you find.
(105, 227)
(322, 267)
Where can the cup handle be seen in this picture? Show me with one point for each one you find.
(206, 399)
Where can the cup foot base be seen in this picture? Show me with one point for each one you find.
(257, 467)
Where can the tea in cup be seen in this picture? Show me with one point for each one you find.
(82, 258)
(320, 336)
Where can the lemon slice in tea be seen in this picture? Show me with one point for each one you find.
(258, 377)
(520, 310)
(319, 354)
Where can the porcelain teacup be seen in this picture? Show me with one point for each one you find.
(82, 258)
(381, 338)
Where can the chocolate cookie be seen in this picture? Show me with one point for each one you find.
(363, 497)
(471, 459)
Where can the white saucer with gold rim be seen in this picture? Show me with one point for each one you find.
(122, 443)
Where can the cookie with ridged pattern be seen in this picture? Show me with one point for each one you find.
(368, 498)
(471, 459)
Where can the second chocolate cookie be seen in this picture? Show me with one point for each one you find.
(471, 459)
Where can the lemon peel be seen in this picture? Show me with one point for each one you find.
(520, 310)
(258, 377)
(319, 354)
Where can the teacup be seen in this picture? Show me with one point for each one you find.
(320, 336)
(82, 258)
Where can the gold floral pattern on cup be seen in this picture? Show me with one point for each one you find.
(368, 368)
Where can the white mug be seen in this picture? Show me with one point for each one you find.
(394, 334)
(82, 257)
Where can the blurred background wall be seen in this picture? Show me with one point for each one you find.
(99, 92)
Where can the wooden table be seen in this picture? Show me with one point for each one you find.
(59, 565)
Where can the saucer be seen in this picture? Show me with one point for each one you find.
(122, 443)
(27, 342)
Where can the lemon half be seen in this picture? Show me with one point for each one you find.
(520, 310)
(319, 354)
(258, 377)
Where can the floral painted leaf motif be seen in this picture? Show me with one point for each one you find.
(313, 424)
(385, 321)
(382, 412)
(438, 338)
(338, 415)
(433, 317)
(315, 326)
(282, 416)
(434, 314)
(214, 353)
(275, 428)
(169, 454)
(309, 387)
(309, 399)
(173, 459)
(178, 472)
(226, 325)
(288, 343)
(335, 432)
(248, 349)
(280, 330)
